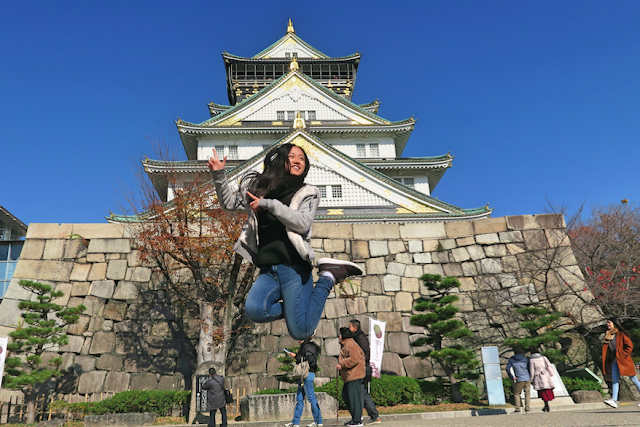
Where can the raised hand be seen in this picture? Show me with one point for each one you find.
(215, 164)
(254, 202)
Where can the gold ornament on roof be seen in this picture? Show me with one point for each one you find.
(311, 150)
(294, 64)
(299, 123)
(290, 29)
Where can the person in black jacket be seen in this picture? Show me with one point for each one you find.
(215, 397)
(310, 352)
(361, 338)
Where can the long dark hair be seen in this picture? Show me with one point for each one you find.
(275, 181)
(618, 324)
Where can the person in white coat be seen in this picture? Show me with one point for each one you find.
(541, 371)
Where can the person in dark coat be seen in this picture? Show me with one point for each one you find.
(361, 338)
(215, 397)
(521, 378)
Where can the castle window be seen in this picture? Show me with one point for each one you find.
(336, 191)
(291, 115)
(373, 150)
(233, 152)
(311, 115)
(323, 191)
(409, 182)
(220, 151)
(287, 55)
(360, 150)
(280, 116)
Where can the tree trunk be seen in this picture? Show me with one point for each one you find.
(208, 350)
(456, 395)
(31, 409)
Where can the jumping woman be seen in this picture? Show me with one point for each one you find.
(276, 238)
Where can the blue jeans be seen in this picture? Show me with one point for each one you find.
(287, 291)
(307, 390)
(615, 379)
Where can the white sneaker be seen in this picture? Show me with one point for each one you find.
(291, 425)
(313, 424)
(612, 403)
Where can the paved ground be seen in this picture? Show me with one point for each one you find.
(593, 414)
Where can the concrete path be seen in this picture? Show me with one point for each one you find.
(588, 414)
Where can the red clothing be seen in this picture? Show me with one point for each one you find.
(546, 395)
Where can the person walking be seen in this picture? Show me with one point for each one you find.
(616, 358)
(308, 351)
(215, 397)
(518, 371)
(541, 371)
(361, 339)
(352, 371)
(276, 238)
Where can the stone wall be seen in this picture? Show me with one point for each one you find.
(129, 339)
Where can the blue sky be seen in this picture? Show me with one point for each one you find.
(535, 99)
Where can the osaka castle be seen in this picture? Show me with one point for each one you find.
(292, 92)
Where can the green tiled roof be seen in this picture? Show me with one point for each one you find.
(351, 57)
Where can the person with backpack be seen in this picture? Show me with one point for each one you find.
(361, 339)
(518, 371)
(215, 397)
(309, 352)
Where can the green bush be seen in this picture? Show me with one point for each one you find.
(277, 391)
(573, 384)
(508, 390)
(160, 402)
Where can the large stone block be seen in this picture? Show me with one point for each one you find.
(404, 301)
(332, 347)
(398, 342)
(84, 363)
(378, 248)
(110, 362)
(379, 303)
(391, 283)
(80, 289)
(475, 252)
(138, 274)
(80, 272)
(551, 221)
(355, 306)
(535, 239)
(109, 246)
(429, 230)
(460, 254)
(410, 284)
(326, 329)
(256, 363)
(440, 256)
(405, 258)
(48, 231)
(335, 308)
(489, 225)
(458, 229)
(98, 271)
(327, 230)
(32, 249)
(376, 266)
(75, 344)
(272, 407)
(521, 222)
(80, 327)
(65, 288)
(93, 231)
(491, 265)
(422, 258)
(433, 269)
(9, 312)
(103, 342)
(117, 382)
(144, 381)
(126, 291)
(53, 249)
(279, 327)
(334, 245)
(396, 246)
(171, 382)
(414, 271)
(393, 319)
(94, 305)
(453, 270)
(359, 249)
(417, 367)
(74, 249)
(392, 364)
(408, 327)
(487, 239)
(117, 269)
(115, 311)
(375, 232)
(91, 382)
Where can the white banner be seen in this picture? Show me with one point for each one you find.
(3, 355)
(376, 340)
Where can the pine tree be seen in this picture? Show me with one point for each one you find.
(438, 319)
(542, 332)
(42, 329)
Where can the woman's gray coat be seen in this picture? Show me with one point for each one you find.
(215, 392)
